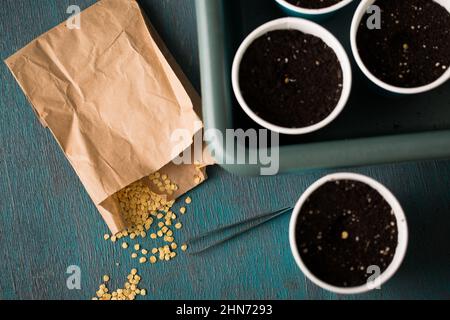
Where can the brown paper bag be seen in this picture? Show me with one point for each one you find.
(111, 99)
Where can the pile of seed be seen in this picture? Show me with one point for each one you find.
(129, 292)
(147, 214)
(141, 209)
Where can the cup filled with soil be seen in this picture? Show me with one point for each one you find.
(403, 46)
(348, 233)
(292, 76)
(312, 9)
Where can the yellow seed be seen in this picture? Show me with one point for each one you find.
(159, 233)
(153, 259)
(134, 255)
(144, 251)
(173, 245)
(133, 271)
(169, 233)
(154, 250)
(184, 247)
(153, 236)
(178, 225)
(137, 247)
(161, 224)
(132, 236)
(188, 200)
(113, 238)
(183, 210)
(344, 235)
(106, 236)
(165, 229)
(167, 257)
(105, 278)
(143, 260)
(143, 292)
(125, 245)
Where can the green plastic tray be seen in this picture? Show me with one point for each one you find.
(373, 128)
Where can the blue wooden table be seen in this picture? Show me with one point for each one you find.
(47, 221)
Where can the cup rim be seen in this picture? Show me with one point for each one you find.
(401, 226)
(306, 11)
(296, 24)
(359, 14)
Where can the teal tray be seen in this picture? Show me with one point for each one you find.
(373, 128)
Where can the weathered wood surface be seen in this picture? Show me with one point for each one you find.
(47, 221)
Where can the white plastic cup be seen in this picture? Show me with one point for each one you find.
(307, 27)
(402, 226)
(314, 14)
(359, 14)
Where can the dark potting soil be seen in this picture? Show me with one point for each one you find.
(291, 79)
(343, 228)
(313, 4)
(412, 48)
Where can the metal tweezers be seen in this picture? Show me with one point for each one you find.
(200, 244)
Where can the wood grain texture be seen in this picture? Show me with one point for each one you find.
(47, 221)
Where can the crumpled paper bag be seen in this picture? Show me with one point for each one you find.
(110, 97)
